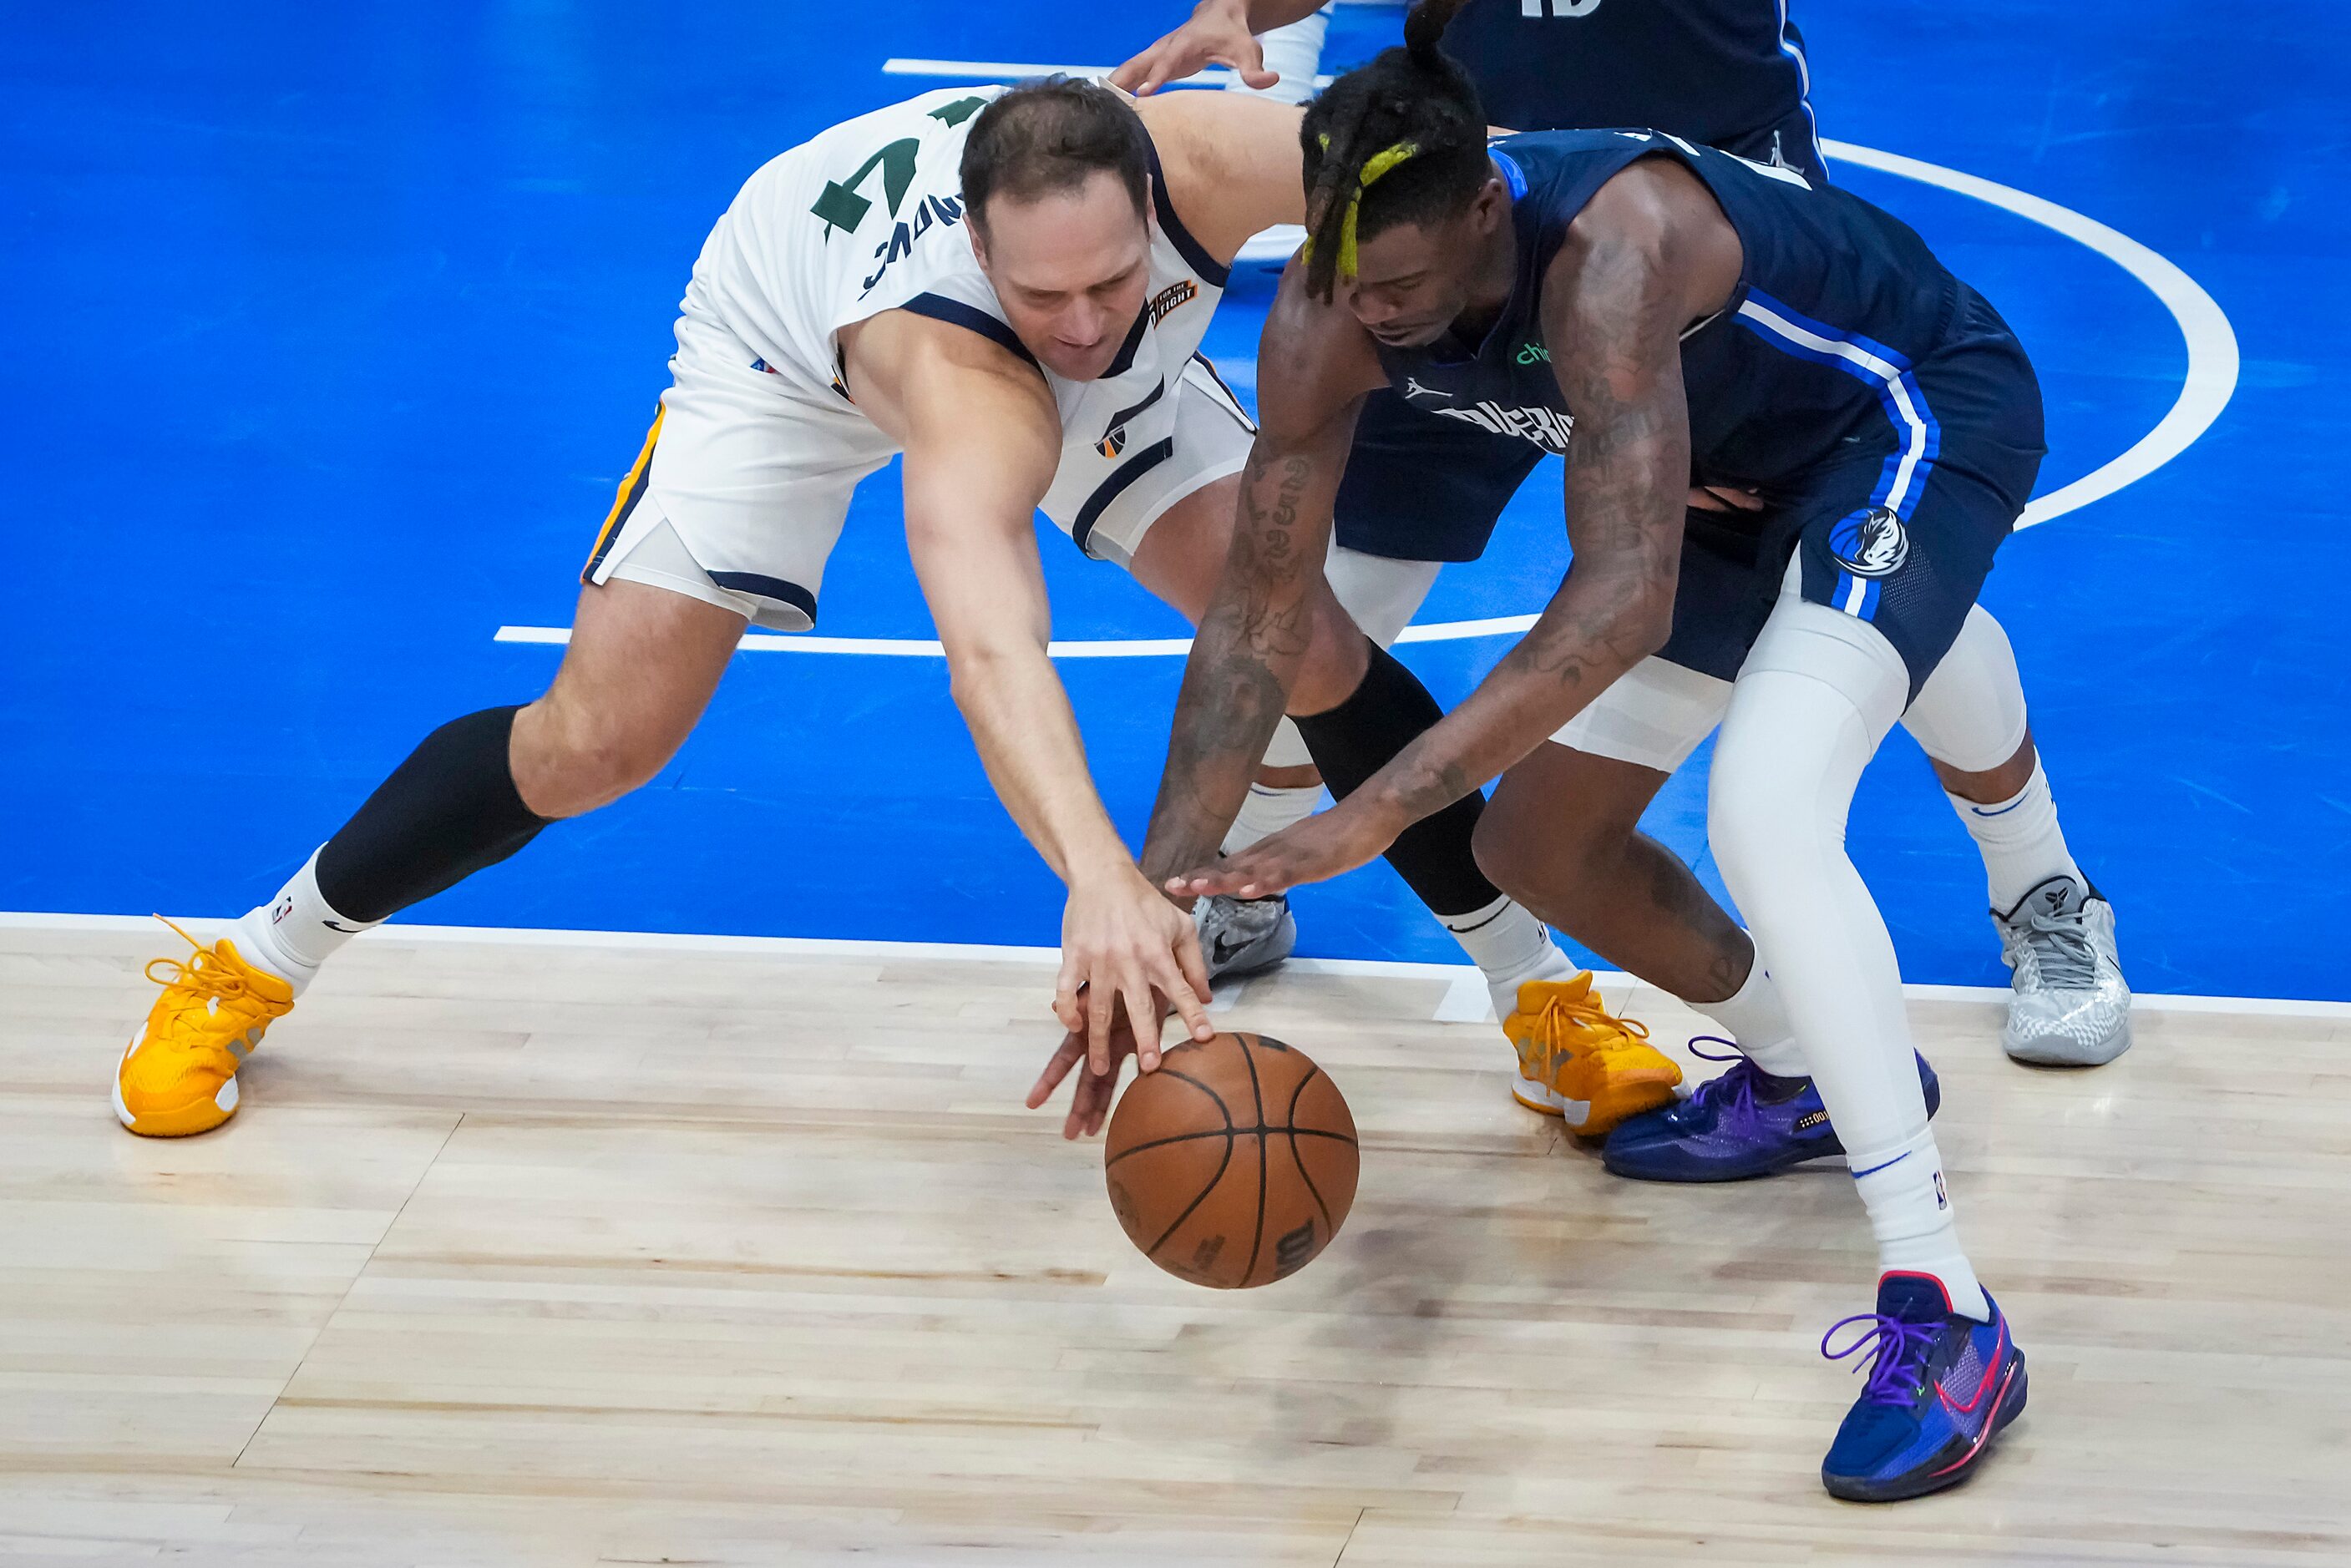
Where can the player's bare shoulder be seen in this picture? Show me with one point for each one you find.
(1653, 231)
(1232, 163)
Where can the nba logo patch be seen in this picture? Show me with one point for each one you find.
(1871, 542)
(1942, 1198)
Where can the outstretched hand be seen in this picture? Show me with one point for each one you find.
(1126, 954)
(1323, 847)
(1218, 34)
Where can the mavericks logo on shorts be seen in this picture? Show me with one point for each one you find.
(1872, 542)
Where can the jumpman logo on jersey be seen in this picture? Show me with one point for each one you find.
(1412, 389)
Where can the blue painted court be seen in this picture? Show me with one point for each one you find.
(332, 329)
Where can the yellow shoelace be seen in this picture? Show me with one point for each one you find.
(1564, 1017)
(206, 1002)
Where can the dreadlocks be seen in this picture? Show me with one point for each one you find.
(1402, 140)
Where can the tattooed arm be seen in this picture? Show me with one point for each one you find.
(1315, 364)
(1272, 609)
(1650, 254)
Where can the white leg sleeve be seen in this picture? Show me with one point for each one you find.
(1970, 713)
(1818, 693)
(1815, 696)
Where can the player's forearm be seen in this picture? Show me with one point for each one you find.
(1624, 491)
(1265, 16)
(1028, 740)
(1593, 630)
(1231, 700)
(1256, 15)
(1627, 469)
(1245, 658)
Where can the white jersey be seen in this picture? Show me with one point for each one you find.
(868, 217)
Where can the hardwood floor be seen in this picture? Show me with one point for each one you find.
(526, 1254)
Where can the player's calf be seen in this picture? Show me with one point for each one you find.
(642, 664)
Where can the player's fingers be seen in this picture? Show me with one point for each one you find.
(1074, 1125)
(1248, 59)
(1236, 878)
(1100, 1000)
(1144, 74)
(1249, 65)
(1142, 1017)
(1177, 987)
(1067, 987)
(1068, 1055)
(1194, 967)
(1101, 1094)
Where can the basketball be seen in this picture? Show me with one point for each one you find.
(1234, 1164)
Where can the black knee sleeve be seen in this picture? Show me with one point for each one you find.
(448, 811)
(1361, 735)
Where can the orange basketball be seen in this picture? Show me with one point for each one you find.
(1234, 1164)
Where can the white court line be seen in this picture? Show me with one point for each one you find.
(889, 647)
(1452, 974)
(2205, 390)
(2212, 359)
(1014, 70)
(1118, 647)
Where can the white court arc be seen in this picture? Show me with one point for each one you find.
(2205, 390)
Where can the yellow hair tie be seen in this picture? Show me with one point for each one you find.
(1379, 165)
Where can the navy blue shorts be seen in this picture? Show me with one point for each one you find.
(1897, 528)
(1421, 487)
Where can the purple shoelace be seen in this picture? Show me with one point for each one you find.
(1736, 1088)
(1899, 1351)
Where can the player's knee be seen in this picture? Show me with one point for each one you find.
(1969, 716)
(569, 757)
(1764, 827)
(1338, 655)
(1502, 850)
(1544, 860)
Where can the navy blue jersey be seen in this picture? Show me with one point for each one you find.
(1836, 301)
(1715, 71)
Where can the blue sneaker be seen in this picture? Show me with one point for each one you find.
(1940, 1388)
(1726, 1131)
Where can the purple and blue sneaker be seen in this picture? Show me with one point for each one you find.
(1744, 1124)
(1940, 1388)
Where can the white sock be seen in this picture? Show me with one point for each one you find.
(297, 932)
(1755, 1017)
(2021, 843)
(1269, 810)
(1910, 1214)
(1506, 940)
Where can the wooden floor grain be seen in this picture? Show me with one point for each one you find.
(563, 1256)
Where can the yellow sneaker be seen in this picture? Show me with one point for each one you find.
(179, 1077)
(1582, 1063)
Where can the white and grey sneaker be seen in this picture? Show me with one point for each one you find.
(1244, 935)
(2071, 1007)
